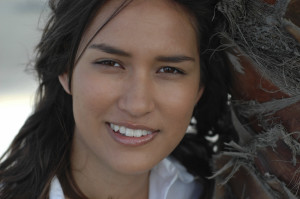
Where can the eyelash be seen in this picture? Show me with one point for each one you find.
(109, 63)
(172, 70)
(165, 69)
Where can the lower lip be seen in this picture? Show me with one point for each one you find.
(131, 141)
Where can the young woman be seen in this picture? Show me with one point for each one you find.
(119, 83)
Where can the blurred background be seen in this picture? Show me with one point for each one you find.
(21, 22)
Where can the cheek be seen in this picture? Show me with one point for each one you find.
(92, 96)
(179, 105)
(85, 96)
(180, 99)
(179, 112)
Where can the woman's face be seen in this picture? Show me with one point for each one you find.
(134, 88)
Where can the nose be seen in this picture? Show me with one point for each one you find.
(137, 98)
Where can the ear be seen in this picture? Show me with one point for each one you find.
(200, 93)
(64, 81)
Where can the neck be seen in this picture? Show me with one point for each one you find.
(104, 185)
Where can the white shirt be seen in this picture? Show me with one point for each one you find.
(168, 180)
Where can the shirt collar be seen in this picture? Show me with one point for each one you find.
(170, 175)
(56, 191)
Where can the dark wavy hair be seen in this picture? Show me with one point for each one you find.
(41, 150)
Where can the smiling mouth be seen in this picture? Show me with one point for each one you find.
(128, 132)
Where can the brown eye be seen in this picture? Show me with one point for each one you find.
(109, 63)
(171, 70)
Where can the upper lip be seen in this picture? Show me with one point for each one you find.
(134, 126)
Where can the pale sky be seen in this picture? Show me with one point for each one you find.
(20, 21)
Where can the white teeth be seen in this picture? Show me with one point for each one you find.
(138, 133)
(144, 132)
(122, 130)
(129, 132)
(116, 128)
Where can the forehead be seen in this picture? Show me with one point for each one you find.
(147, 18)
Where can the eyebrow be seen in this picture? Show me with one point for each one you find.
(174, 59)
(110, 49)
(115, 51)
